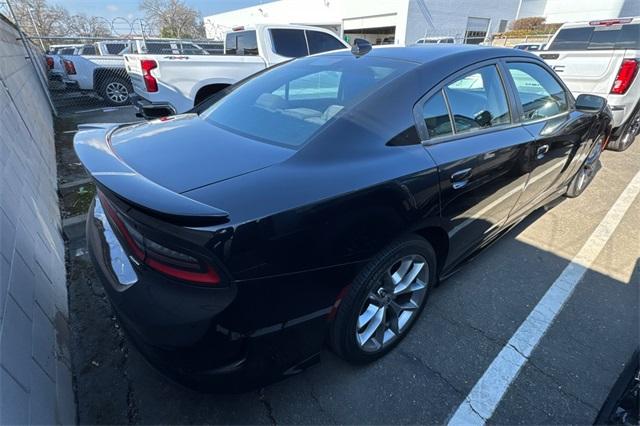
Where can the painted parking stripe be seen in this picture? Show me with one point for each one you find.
(480, 404)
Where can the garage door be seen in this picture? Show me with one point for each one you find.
(476, 30)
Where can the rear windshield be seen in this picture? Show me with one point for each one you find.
(288, 104)
(598, 38)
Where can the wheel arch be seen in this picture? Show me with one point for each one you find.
(439, 240)
(207, 90)
(100, 74)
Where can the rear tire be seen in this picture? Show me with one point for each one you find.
(115, 91)
(384, 301)
(630, 130)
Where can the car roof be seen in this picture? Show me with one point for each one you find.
(426, 53)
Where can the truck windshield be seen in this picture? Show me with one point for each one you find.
(288, 104)
(598, 38)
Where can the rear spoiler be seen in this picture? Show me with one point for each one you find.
(92, 146)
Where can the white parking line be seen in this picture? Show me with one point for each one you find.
(480, 404)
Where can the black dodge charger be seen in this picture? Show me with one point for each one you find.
(322, 200)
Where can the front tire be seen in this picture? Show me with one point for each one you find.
(627, 136)
(384, 300)
(115, 91)
(587, 172)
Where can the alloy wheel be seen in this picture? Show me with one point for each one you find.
(117, 92)
(632, 130)
(587, 171)
(393, 304)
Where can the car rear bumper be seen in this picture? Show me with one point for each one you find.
(201, 337)
(151, 110)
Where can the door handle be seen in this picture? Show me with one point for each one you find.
(460, 178)
(541, 151)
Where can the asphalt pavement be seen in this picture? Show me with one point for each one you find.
(468, 320)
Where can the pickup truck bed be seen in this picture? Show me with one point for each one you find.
(167, 84)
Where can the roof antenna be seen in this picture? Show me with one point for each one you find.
(361, 47)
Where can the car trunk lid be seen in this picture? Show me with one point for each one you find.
(185, 152)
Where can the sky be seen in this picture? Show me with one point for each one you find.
(129, 10)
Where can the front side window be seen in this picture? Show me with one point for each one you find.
(286, 105)
(322, 42)
(540, 94)
(478, 101)
(436, 116)
(289, 42)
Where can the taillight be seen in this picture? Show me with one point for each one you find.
(69, 67)
(158, 257)
(49, 62)
(150, 81)
(626, 74)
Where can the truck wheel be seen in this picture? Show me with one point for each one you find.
(115, 91)
(630, 131)
(384, 300)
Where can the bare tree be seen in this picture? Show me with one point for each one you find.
(88, 26)
(173, 18)
(37, 17)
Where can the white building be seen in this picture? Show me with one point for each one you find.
(559, 11)
(379, 21)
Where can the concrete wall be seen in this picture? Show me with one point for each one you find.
(35, 376)
(450, 18)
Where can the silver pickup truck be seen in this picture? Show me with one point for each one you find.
(602, 58)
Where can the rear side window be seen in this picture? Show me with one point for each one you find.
(89, 50)
(322, 42)
(478, 101)
(598, 38)
(540, 94)
(289, 42)
(436, 117)
(159, 48)
(115, 48)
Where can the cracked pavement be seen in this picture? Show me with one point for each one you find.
(467, 321)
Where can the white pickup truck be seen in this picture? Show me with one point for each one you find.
(602, 58)
(105, 72)
(173, 84)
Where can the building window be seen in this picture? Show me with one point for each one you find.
(503, 25)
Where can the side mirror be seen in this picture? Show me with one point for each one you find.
(590, 103)
(360, 47)
(483, 118)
